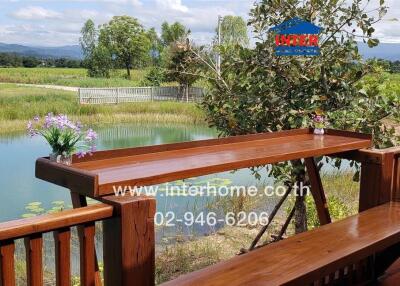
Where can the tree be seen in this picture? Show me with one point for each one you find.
(154, 77)
(234, 31)
(182, 66)
(127, 41)
(30, 62)
(156, 47)
(258, 91)
(173, 33)
(88, 40)
(100, 62)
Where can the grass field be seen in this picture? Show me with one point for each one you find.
(19, 104)
(68, 77)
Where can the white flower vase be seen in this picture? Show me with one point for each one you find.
(319, 131)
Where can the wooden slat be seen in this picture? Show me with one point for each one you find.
(306, 257)
(62, 243)
(87, 255)
(49, 222)
(7, 264)
(79, 201)
(34, 264)
(317, 191)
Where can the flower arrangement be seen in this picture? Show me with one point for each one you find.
(64, 136)
(319, 123)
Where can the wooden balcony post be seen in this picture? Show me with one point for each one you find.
(129, 242)
(377, 168)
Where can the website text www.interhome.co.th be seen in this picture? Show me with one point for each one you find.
(171, 190)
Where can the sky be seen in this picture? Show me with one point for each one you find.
(58, 22)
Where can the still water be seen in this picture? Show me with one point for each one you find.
(19, 186)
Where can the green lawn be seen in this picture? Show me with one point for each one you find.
(68, 77)
(19, 104)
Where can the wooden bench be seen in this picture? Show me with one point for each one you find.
(333, 251)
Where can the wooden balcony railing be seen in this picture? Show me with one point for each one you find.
(128, 221)
(32, 230)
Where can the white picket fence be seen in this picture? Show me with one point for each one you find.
(139, 94)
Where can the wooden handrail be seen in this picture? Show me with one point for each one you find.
(48, 222)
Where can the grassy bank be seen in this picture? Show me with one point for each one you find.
(19, 104)
(69, 77)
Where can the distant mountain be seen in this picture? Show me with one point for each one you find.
(382, 51)
(72, 52)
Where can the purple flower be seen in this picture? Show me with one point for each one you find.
(81, 154)
(62, 133)
(91, 135)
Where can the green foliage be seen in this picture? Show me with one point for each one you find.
(173, 33)
(70, 77)
(30, 62)
(234, 31)
(182, 67)
(88, 40)
(127, 41)
(337, 209)
(258, 91)
(261, 92)
(157, 47)
(19, 104)
(99, 63)
(14, 60)
(155, 77)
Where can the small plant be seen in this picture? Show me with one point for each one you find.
(319, 122)
(64, 137)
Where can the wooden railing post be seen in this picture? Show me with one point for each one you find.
(129, 242)
(376, 178)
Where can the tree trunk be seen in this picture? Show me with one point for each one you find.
(128, 71)
(300, 217)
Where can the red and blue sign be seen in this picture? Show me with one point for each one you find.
(296, 37)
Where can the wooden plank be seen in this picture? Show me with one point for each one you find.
(48, 222)
(306, 257)
(87, 255)
(34, 264)
(129, 242)
(156, 168)
(97, 175)
(317, 191)
(7, 264)
(62, 243)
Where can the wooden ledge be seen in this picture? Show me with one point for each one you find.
(99, 174)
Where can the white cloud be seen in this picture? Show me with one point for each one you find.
(174, 5)
(35, 13)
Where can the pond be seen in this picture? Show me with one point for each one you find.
(19, 186)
